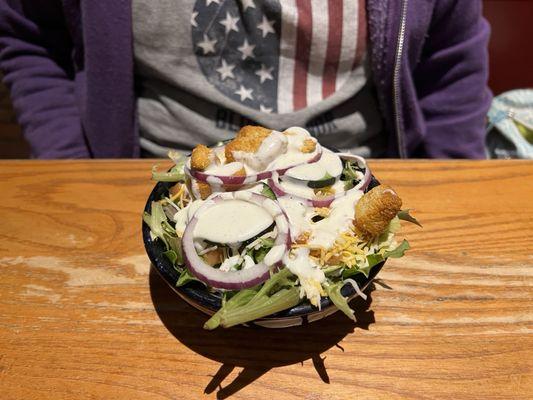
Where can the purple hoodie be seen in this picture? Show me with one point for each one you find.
(69, 66)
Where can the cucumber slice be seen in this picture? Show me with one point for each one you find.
(327, 180)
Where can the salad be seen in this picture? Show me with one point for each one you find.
(272, 219)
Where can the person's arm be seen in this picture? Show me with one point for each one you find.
(451, 81)
(35, 60)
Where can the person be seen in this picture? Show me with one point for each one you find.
(130, 78)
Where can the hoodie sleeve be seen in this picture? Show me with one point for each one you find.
(451, 80)
(35, 52)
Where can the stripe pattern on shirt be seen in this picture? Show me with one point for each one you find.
(278, 57)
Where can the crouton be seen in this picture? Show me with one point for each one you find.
(303, 238)
(213, 257)
(248, 139)
(375, 209)
(335, 259)
(241, 172)
(204, 189)
(201, 157)
(308, 146)
(251, 131)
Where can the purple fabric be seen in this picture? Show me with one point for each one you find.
(70, 71)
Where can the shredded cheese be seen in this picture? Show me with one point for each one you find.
(182, 196)
(348, 249)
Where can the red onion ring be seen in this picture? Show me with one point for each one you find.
(243, 278)
(278, 190)
(219, 180)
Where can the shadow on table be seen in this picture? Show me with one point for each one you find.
(256, 350)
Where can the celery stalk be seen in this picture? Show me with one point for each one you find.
(279, 301)
(278, 278)
(250, 304)
(239, 300)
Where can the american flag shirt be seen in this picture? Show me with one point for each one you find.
(206, 67)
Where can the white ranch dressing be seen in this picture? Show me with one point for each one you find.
(299, 263)
(275, 254)
(308, 272)
(324, 232)
(184, 215)
(301, 189)
(271, 147)
(297, 214)
(232, 221)
(229, 263)
(297, 188)
(277, 150)
(293, 155)
(340, 218)
(329, 164)
(338, 187)
(232, 262)
(224, 169)
(220, 155)
(296, 136)
(256, 188)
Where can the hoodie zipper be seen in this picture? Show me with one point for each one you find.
(396, 81)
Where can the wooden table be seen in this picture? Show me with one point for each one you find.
(82, 316)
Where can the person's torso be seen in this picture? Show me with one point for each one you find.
(204, 68)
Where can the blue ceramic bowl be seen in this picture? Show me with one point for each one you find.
(199, 297)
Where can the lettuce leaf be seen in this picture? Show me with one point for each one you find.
(175, 174)
(394, 226)
(267, 191)
(341, 302)
(171, 255)
(186, 277)
(259, 254)
(375, 259)
(398, 251)
(161, 229)
(404, 215)
(350, 174)
(155, 222)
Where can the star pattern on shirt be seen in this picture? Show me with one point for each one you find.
(244, 93)
(266, 26)
(193, 19)
(246, 49)
(230, 23)
(237, 48)
(226, 70)
(207, 45)
(264, 73)
(247, 4)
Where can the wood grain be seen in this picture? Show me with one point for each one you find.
(82, 316)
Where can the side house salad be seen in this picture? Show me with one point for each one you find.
(272, 219)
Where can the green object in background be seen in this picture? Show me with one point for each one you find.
(526, 132)
(510, 128)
